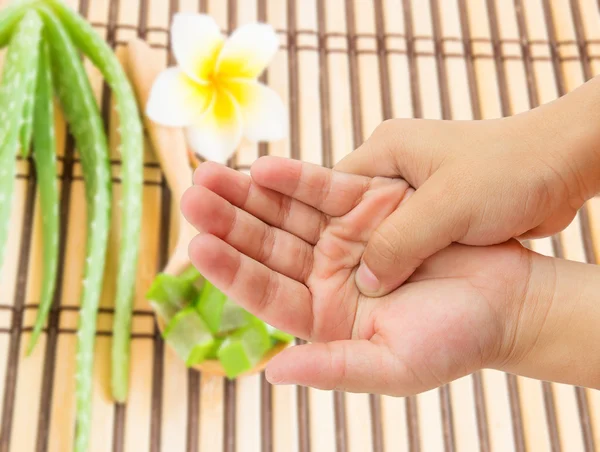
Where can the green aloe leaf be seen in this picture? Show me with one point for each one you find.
(10, 16)
(21, 64)
(96, 49)
(44, 154)
(25, 134)
(82, 114)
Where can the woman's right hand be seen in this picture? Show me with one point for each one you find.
(478, 182)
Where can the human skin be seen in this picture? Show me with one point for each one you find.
(286, 244)
(484, 182)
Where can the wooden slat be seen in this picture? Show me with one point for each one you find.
(344, 66)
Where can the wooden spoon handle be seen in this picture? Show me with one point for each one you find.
(169, 143)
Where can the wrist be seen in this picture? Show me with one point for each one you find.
(570, 132)
(524, 307)
(556, 336)
(524, 310)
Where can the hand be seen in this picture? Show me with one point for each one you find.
(286, 245)
(478, 182)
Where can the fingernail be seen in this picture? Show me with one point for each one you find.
(366, 280)
(274, 379)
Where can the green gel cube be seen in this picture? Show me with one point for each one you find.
(194, 277)
(189, 336)
(219, 312)
(244, 348)
(169, 294)
(212, 354)
(279, 336)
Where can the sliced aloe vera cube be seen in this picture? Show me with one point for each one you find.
(219, 312)
(210, 306)
(280, 336)
(234, 358)
(233, 317)
(164, 310)
(212, 354)
(244, 348)
(189, 336)
(169, 294)
(193, 276)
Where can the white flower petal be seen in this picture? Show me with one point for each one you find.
(196, 41)
(217, 134)
(248, 51)
(265, 116)
(175, 100)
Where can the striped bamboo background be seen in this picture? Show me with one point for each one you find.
(343, 67)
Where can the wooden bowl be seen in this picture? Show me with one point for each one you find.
(213, 367)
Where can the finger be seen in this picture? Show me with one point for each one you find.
(278, 300)
(423, 225)
(410, 148)
(330, 192)
(271, 207)
(279, 250)
(346, 365)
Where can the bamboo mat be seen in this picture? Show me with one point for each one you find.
(343, 67)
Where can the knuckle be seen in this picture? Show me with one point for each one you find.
(307, 263)
(322, 187)
(247, 196)
(285, 207)
(337, 363)
(266, 245)
(269, 294)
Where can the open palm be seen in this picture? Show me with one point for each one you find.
(286, 243)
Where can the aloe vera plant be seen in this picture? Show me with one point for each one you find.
(21, 62)
(81, 111)
(10, 17)
(44, 154)
(25, 134)
(26, 113)
(96, 49)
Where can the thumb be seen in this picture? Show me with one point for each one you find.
(430, 220)
(409, 148)
(344, 365)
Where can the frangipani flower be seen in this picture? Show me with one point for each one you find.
(213, 92)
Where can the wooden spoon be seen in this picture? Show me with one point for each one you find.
(143, 66)
(169, 145)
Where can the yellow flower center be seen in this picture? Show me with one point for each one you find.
(214, 80)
